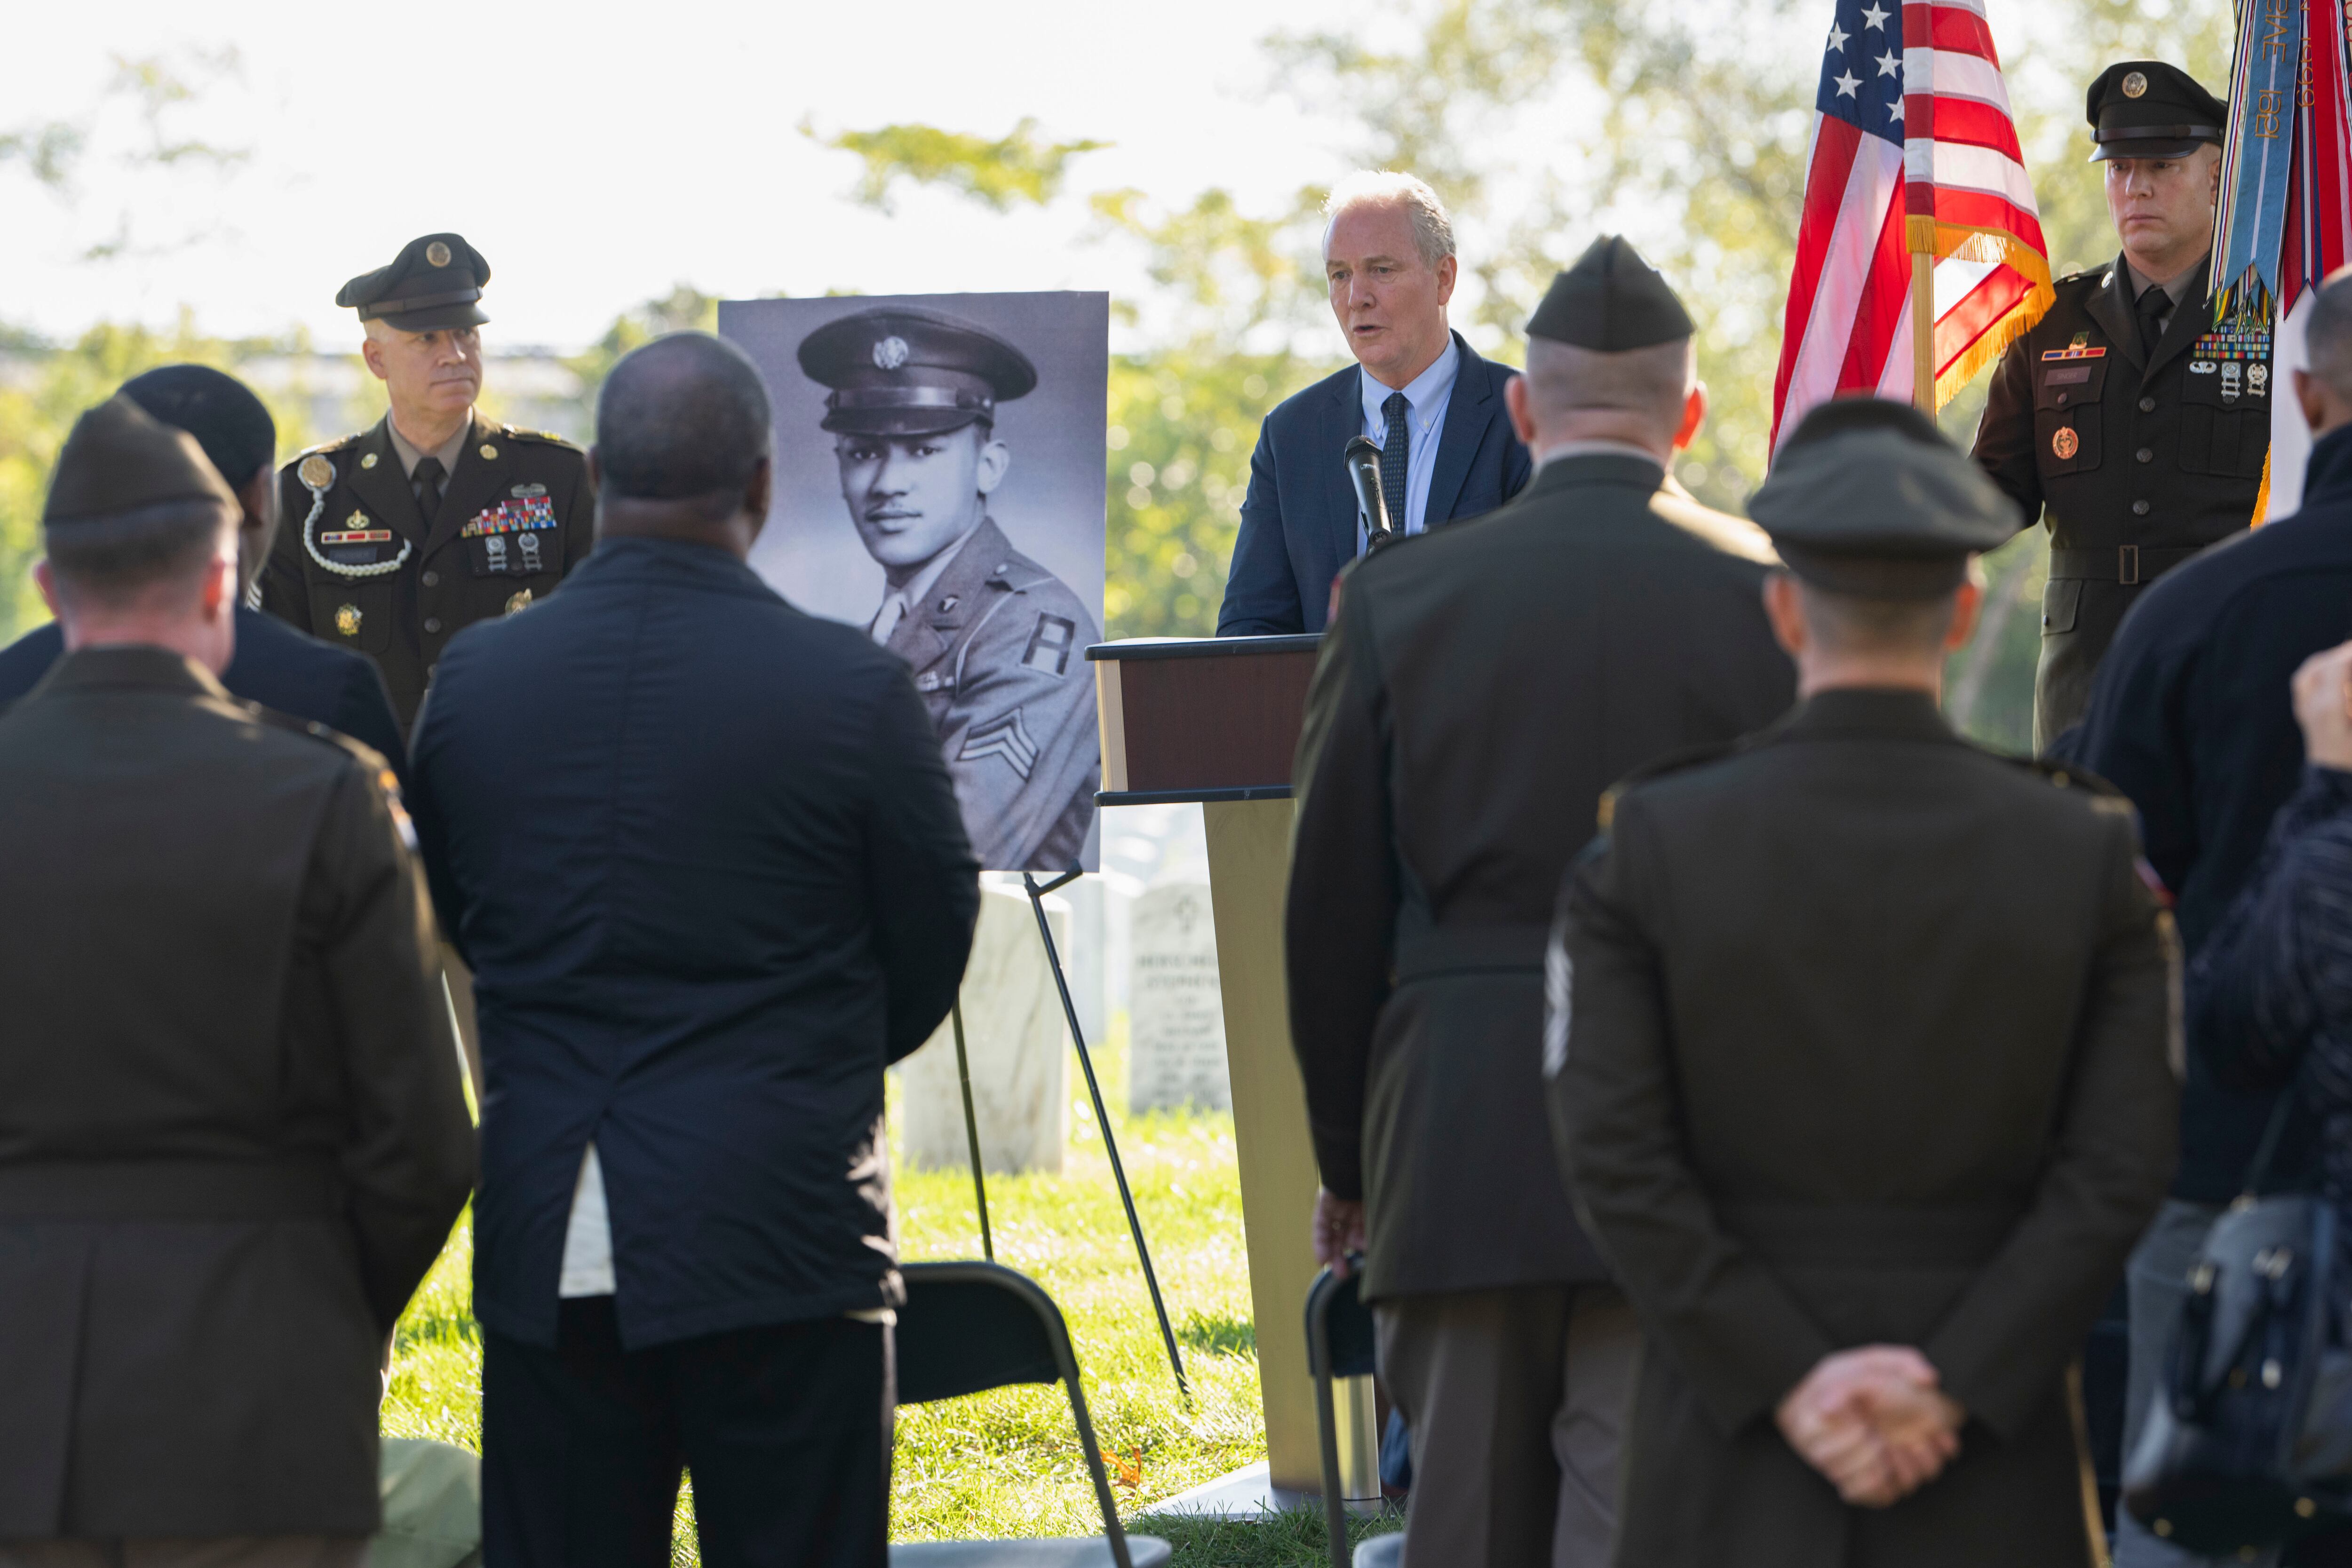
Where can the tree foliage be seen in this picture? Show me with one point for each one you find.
(1000, 173)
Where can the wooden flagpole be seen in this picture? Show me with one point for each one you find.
(1923, 333)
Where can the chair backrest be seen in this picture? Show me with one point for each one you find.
(969, 1327)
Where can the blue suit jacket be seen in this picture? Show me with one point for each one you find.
(702, 853)
(276, 666)
(1298, 523)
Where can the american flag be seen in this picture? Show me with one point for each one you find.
(1914, 151)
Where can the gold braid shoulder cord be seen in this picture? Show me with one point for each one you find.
(317, 476)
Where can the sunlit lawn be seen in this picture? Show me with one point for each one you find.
(1007, 1463)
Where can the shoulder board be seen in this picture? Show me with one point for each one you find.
(1732, 535)
(2101, 796)
(2098, 275)
(543, 437)
(1673, 762)
(369, 760)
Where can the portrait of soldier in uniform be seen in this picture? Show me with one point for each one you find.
(935, 498)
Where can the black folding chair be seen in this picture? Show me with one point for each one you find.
(969, 1327)
(1341, 1344)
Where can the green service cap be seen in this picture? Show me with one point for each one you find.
(900, 371)
(1878, 508)
(2146, 109)
(119, 458)
(1609, 302)
(435, 281)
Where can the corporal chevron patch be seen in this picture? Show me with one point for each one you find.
(1007, 737)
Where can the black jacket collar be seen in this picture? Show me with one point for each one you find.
(2330, 469)
(133, 666)
(1876, 713)
(1646, 474)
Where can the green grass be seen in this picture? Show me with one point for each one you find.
(1007, 1463)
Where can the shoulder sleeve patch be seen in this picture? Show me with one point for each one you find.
(1050, 642)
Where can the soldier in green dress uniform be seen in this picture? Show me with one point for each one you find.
(2126, 419)
(996, 642)
(397, 539)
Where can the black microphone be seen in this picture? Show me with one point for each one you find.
(1371, 506)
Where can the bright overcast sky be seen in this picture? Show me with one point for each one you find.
(599, 154)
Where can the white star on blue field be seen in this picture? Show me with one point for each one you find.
(1862, 69)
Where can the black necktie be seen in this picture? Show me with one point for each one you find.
(2152, 307)
(424, 484)
(1396, 453)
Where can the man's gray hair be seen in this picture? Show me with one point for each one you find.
(2328, 336)
(1653, 382)
(1432, 231)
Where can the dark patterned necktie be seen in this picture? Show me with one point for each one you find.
(1396, 459)
(2153, 305)
(424, 484)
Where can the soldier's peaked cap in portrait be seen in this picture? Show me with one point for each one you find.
(899, 370)
(435, 281)
(1609, 302)
(2146, 109)
(119, 458)
(1879, 512)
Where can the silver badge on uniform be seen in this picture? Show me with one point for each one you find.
(2231, 372)
(2202, 367)
(530, 543)
(496, 545)
(2258, 378)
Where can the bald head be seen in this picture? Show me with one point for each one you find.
(682, 441)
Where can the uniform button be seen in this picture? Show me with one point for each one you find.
(2062, 400)
(2146, 454)
(2148, 405)
(432, 580)
(2139, 508)
(433, 623)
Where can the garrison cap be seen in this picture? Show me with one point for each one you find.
(899, 370)
(1609, 302)
(1878, 511)
(434, 281)
(1839, 415)
(119, 458)
(2146, 109)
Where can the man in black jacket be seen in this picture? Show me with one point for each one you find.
(232, 1135)
(1480, 686)
(702, 853)
(275, 666)
(2191, 718)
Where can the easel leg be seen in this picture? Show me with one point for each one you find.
(971, 1132)
(1102, 1119)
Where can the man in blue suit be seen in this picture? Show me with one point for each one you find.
(1421, 394)
(701, 851)
(275, 666)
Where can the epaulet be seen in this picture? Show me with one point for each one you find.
(2098, 275)
(543, 437)
(2098, 794)
(1673, 762)
(359, 751)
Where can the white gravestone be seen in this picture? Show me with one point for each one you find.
(1176, 1023)
(1016, 1041)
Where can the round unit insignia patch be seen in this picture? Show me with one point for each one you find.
(316, 473)
(890, 353)
(521, 600)
(438, 254)
(2066, 444)
(347, 619)
(2135, 84)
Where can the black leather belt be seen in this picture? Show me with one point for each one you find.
(1470, 950)
(169, 1189)
(2127, 564)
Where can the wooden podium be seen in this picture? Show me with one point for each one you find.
(1216, 720)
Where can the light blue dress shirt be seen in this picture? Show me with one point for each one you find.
(1425, 397)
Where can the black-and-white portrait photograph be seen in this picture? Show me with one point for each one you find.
(940, 484)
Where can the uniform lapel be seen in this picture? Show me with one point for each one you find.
(1467, 415)
(476, 483)
(2190, 319)
(933, 627)
(382, 489)
(2119, 318)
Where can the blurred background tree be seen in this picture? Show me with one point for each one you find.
(1542, 122)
